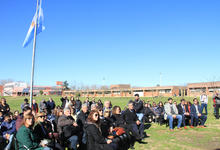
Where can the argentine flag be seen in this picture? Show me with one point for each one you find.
(39, 19)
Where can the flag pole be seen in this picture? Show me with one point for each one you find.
(33, 57)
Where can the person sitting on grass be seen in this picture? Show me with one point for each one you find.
(183, 112)
(196, 114)
(171, 113)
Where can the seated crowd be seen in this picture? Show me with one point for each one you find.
(89, 125)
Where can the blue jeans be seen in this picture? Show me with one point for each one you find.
(137, 131)
(196, 118)
(73, 142)
(202, 107)
(140, 116)
(170, 118)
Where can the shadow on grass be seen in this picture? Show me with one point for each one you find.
(147, 126)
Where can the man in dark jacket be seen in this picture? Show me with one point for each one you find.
(81, 121)
(51, 104)
(4, 107)
(78, 105)
(183, 112)
(133, 124)
(196, 113)
(43, 105)
(216, 99)
(64, 100)
(25, 103)
(67, 125)
(138, 107)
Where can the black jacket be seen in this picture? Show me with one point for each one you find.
(106, 123)
(42, 130)
(180, 109)
(4, 109)
(78, 104)
(138, 106)
(130, 117)
(81, 119)
(63, 100)
(117, 120)
(95, 140)
(148, 112)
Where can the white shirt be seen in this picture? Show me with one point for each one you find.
(204, 99)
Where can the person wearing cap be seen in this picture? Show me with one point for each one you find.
(171, 113)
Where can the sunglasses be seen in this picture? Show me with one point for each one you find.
(29, 118)
(96, 115)
(42, 116)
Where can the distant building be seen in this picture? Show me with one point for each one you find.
(22, 89)
(1, 90)
(120, 86)
(195, 89)
(127, 91)
(14, 87)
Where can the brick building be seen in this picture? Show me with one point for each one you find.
(1, 90)
(126, 91)
(195, 89)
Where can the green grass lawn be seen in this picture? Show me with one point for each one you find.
(160, 138)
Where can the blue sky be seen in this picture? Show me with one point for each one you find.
(122, 41)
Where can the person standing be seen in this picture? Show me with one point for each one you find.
(35, 106)
(204, 102)
(51, 104)
(138, 107)
(216, 99)
(78, 105)
(25, 103)
(4, 107)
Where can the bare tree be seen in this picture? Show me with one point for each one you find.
(104, 87)
(4, 81)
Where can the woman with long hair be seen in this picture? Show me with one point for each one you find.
(25, 137)
(44, 130)
(95, 140)
(160, 110)
(116, 117)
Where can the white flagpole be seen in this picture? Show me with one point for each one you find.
(33, 57)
